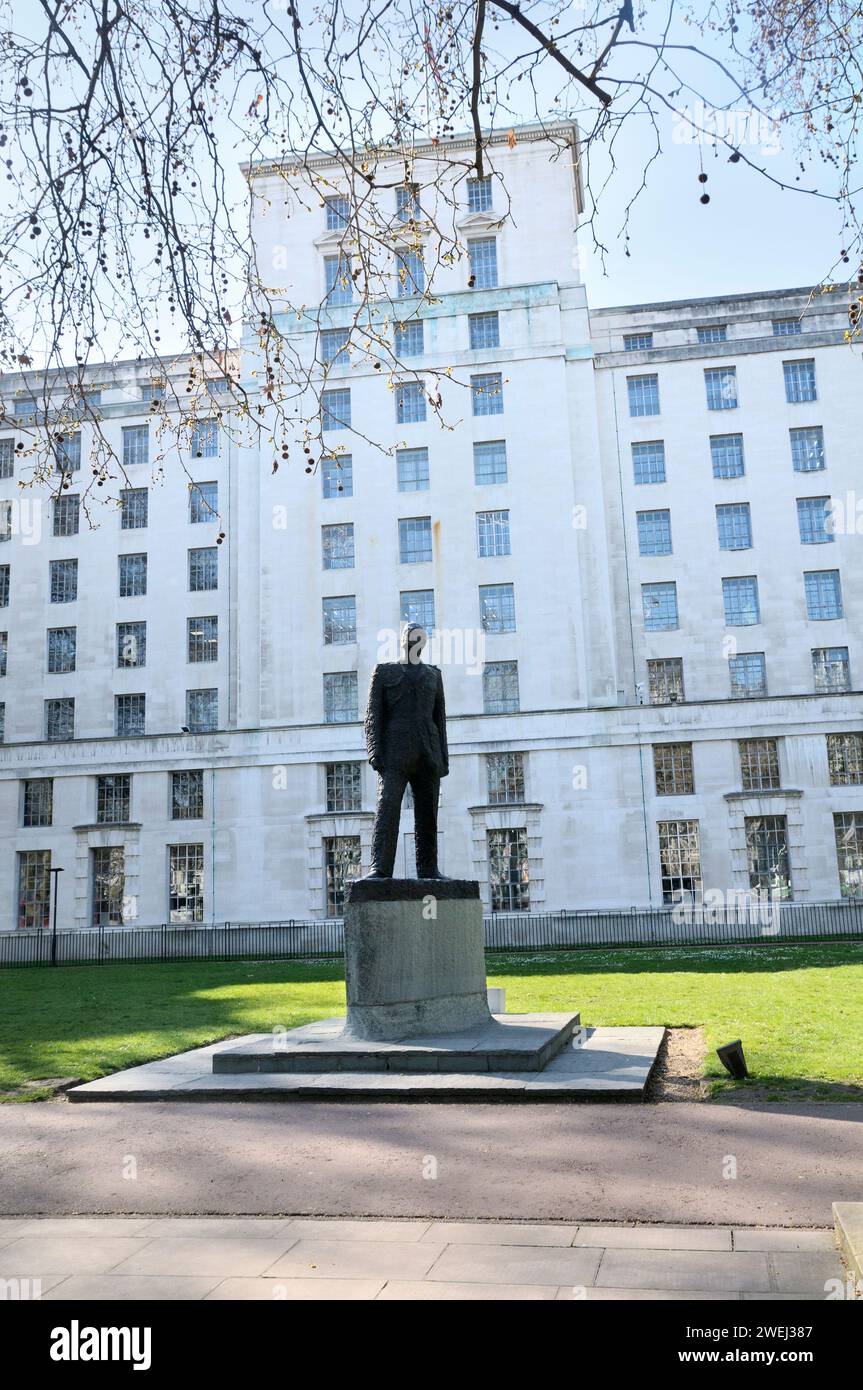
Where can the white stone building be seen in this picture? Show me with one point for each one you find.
(647, 620)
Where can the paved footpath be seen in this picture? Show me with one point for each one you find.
(298, 1258)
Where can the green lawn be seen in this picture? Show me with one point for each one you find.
(797, 1008)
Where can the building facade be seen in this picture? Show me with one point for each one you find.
(635, 540)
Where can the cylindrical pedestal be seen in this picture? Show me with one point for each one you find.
(414, 958)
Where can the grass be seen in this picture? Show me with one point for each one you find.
(796, 1007)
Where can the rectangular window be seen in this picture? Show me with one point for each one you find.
(848, 830)
(497, 607)
(34, 889)
(643, 393)
(113, 798)
(740, 598)
(505, 778)
(186, 883)
(500, 687)
(665, 681)
(131, 644)
(759, 764)
(38, 801)
(203, 503)
(654, 532)
(786, 328)
(133, 508)
(340, 697)
(415, 540)
(5, 521)
(344, 787)
(154, 392)
(484, 331)
(410, 274)
(659, 606)
(337, 476)
(748, 673)
(66, 511)
(59, 720)
(2, 721)
(412, 469)
(334, 346)
(845, 759)
(24, 408)
(726, 455)
(336, 409)
(823, 595)
(7, 458)
(338, 281)
(410, 338)
(637, 342)
(187, 795)
(831, 670)
(202, 711)
(679, 860)
(408, 202)
(204, 443)
(342, 862)
(800, 381)
(203, 568)
(64, 581)
(108, 878)
(807, 449)
(4, 652)
(721, 387)
(492, 533)
(417, 606)
(67, 452)
(508, 870)
(410, 403)
(136, 445)
(337, 546)
(489, 463)
(482, 254)
(130, 715)
(340, 620)
(815, 520)
(479, 194)
(648, 461)
(486, 391)
(672, 766)
(62, 643)
(5, 572)
(767, 856)
(338, 212)
(133, 576)
(734, 525)
(715, 333)
(203, 638)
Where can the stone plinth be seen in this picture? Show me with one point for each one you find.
(414, 958)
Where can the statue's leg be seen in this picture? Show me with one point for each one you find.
(385, 834)
(426, 786)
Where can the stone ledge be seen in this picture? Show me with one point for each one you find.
(848, 1220)
(389, 890)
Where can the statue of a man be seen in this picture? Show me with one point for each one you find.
(406, 742)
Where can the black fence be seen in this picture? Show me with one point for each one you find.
(694, 925)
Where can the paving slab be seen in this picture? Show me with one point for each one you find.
(217, 1227)
(773, 1238)
(132, 1287)
(327, 1228)
(600, 1295)
(812, 1272)
(515, 1264)
(716, 1270)
(498, 1233)
(295, 1290)
(34, 1257)
(439, 1291)
(319, 1258)
(655, 1237)
(83, 1227)
(231, 1255)
(848, 1220)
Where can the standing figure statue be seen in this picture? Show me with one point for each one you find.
(406, 742)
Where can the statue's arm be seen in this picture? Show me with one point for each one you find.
(440, 721)
(374, 724)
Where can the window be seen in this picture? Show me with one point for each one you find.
(726, 455)
(62, 643)
(130, 715)
(24, 408)
(38, 801)
(479, 194)
(203, 503)
(336, 409)
(508, 870)
(759, 764)
(341, 865)
(7, 458)
(665, 680)
(204, 568)
(338, 211)
(734, 524)
(672, 766)
(823, 595)
(845, 759)
(113, 798)
(410, 274)
(131, 644)
(417, 606)
(497, 607)
(484, 331)
(679, 860)
(489, 463)
(786, 328)
(154, 392)
(34, 889)
(815, 520)
(848, 829)
(714, 333)
(767, 855)
(136, 445)
(412, 468)
(67, 452)
(108, 885)
(410, 338)
(410, 403)
(186, 883)
(654, 533)
(5, 521)
(187, 795)
(340, 697)
(637, 342)
(807, 449)
(482, 254)
(830, 669)
(415, 540)
(344, 787)
(648, 461)
(500, 687)
(340, 620)
(67, 510)
(337, 546)
(64, 581)
(133, 508)
(133, 576)
(338, 279)
(492, 533)
(337, 476)
(643, 392)
(486, 393)
(800, 381)
(204, 443)
(505, 778)
(2, 721)
(59, 720)
(5, 572)
(740, 597)
(748, 673)
(202, 711)
(203, 638)
(334, 346)
(408, 202)
(721, 386)
(659, 605)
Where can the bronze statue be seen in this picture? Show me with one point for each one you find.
(406, 742)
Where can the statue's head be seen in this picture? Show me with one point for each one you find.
(414, 641)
